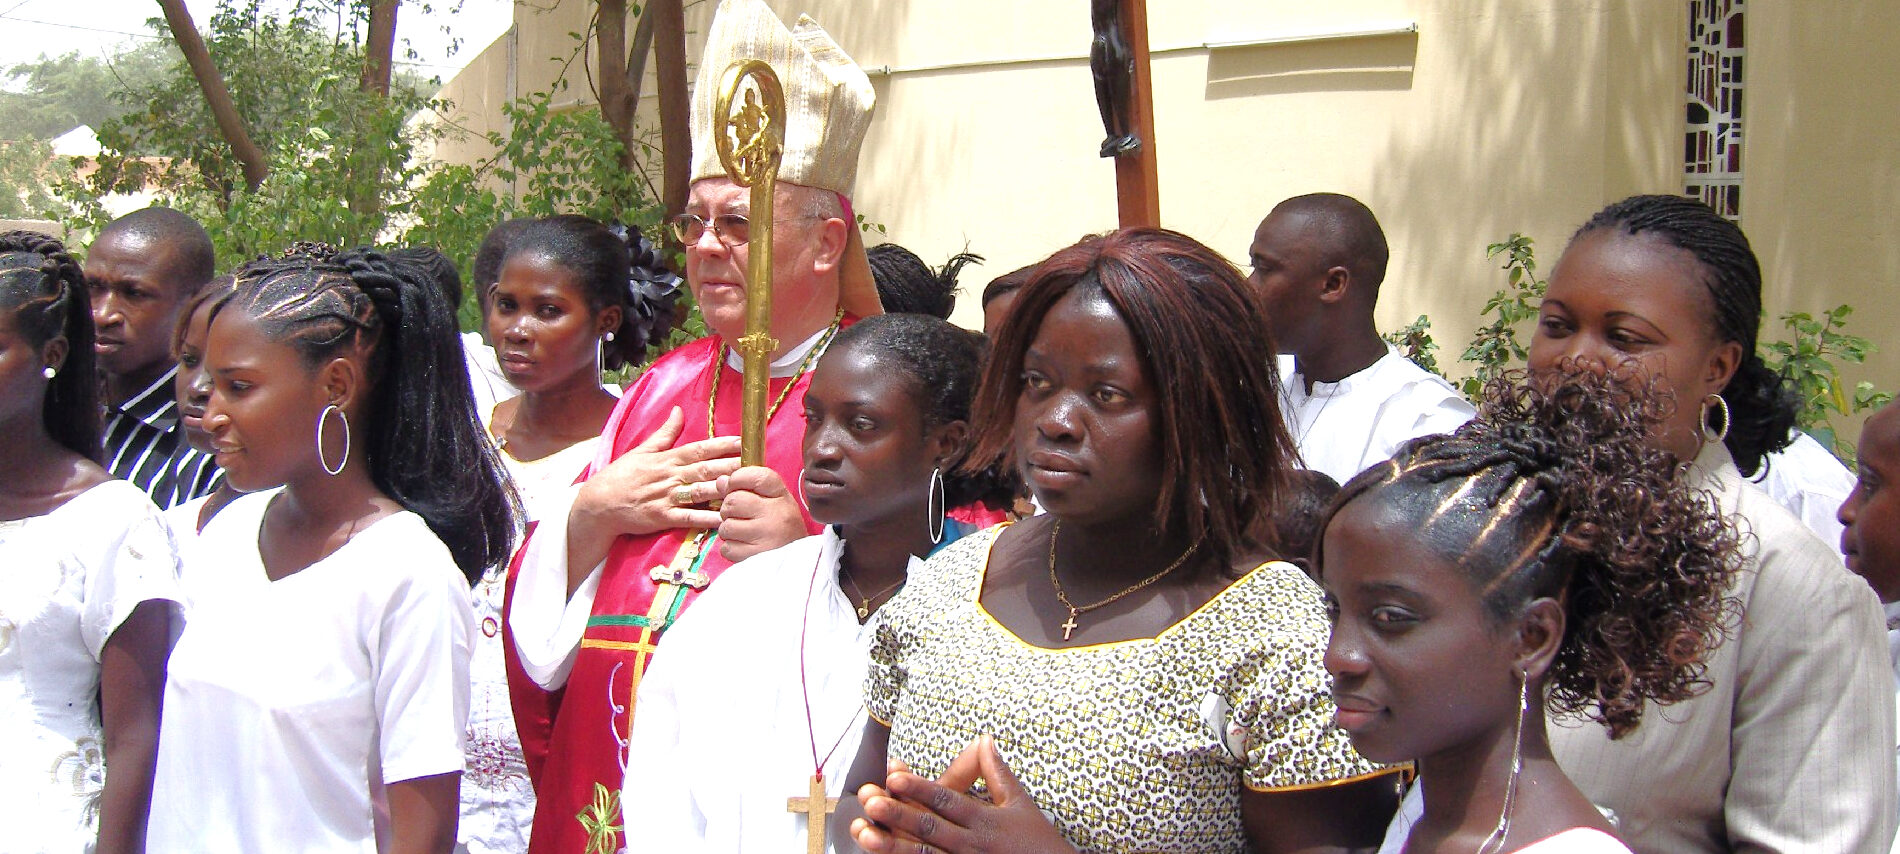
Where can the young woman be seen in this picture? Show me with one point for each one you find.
(1155, 684)
(779, 644)
(90, 591)
(1478, 579)
(1788, 749)
(318, 696)
(192, 386)
(559, 315)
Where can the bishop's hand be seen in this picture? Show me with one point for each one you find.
(918, 815)
(652, 487)
(758, 513)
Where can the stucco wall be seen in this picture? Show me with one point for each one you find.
(1821, 190)
(1492, 117)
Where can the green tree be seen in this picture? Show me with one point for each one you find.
(28, 172)
(334, 151)
(54, 94)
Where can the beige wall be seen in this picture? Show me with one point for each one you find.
(1821, 156)
(1493, 117)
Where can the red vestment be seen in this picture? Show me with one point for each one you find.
(580, 778)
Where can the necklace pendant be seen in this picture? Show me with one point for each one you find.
(1068, 628)
(864, 611)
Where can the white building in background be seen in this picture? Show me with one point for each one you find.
(1458, 122)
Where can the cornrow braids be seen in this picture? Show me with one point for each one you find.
(425, 444)
(45, 290)
(1762, 404)
(1553, 492)
(906, 285)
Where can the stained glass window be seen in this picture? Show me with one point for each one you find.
(1712, 155)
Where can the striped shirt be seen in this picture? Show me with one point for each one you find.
(145, 444)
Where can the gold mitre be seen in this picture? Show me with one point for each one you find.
(828, 103)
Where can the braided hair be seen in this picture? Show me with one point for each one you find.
(941, 363)
(45, 290)
(425, 445)
(1553, 491)
(906, 285)
(1762, 404)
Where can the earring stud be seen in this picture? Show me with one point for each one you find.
(50, 372)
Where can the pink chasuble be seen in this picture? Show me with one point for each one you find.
(577, 811)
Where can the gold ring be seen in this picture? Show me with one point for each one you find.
(683, 495)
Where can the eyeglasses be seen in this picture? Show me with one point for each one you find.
(730, 229)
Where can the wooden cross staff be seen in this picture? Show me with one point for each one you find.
(1124, 91)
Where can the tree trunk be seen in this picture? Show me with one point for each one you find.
(379, 51)
(676, 139)
(616, 96)
(217, 97)
(637, 57)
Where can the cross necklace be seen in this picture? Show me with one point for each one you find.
(815, 805)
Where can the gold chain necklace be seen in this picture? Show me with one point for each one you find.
(719, 360)
(1068, 627)
(864, 606)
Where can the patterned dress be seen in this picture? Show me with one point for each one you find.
(1139, 745)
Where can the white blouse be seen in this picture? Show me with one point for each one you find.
(291, 703)
(71, 577)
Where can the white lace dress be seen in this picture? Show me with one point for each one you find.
(497, 796)
(68, 579)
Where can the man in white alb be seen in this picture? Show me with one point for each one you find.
(1348, 397)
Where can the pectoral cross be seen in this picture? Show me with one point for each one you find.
(816, 807)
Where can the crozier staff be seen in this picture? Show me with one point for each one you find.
(601, 581)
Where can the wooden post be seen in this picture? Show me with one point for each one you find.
(1137, 180)
(676, 140)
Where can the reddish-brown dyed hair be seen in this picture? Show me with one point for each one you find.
(1202, 337)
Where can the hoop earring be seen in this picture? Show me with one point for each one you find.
(321, 418)
(1721, 404)
(1495, 842)
(801, 490)
(934, 507)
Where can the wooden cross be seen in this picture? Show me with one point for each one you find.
(816, 807)
(1137, 177)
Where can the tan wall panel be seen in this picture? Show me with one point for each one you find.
(1821, 165)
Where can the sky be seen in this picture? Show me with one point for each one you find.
(100, 27)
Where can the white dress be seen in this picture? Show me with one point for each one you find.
(1346, 427)
(1811, 482)
(497, 796)
(1577, 840)
(292, 702)
(71, 577)
(721, 739)
(1893, 649)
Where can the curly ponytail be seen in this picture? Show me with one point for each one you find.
(1762, 403)
(1554, 492)
(45, 290)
